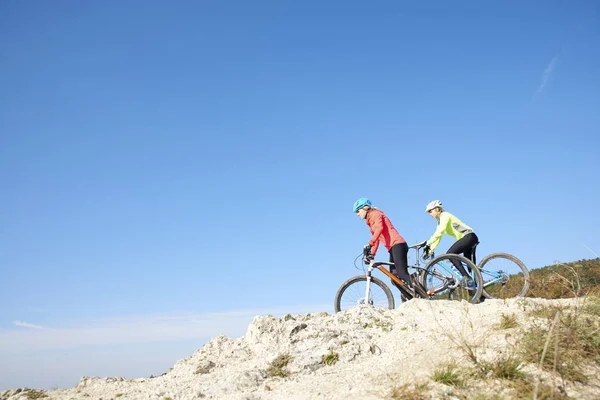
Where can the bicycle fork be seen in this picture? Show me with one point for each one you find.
(368, 290)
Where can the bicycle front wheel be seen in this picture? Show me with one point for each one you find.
(443, 281)
(353, 292)
(504, 276)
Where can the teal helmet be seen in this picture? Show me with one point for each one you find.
(360, 203)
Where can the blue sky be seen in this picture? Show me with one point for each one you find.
(171, 170)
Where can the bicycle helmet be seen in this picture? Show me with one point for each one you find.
(432, 205)
(360, 203)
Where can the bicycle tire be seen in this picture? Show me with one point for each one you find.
(352, 287)
(507, 289)
(441, 284)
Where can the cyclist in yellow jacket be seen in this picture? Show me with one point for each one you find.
(466, 239)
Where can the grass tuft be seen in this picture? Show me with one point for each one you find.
(505, 367)
(330, 358)
(447, 374)
(34, 394)
(278, 366)
(406, 392)
(508, 321)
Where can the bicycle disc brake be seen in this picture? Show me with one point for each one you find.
(505, 277)
(452, 284)
(362, 301)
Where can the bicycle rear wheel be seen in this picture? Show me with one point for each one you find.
(353, 292)
(442, 284)
(504, 276)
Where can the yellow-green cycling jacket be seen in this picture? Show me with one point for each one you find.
(448, 223)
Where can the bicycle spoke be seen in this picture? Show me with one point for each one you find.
(442, 284)
(504, 276)
(352, 293)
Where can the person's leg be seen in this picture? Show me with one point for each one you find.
(400, 259)
(470, 252)
(399, 256)
(461, 247)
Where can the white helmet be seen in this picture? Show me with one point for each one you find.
(432, 205)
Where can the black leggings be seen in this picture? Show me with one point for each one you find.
(399, 256)
(465, 246)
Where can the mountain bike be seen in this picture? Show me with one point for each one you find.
(504, 276)
(439, 278)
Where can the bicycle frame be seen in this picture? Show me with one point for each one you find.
(379, 265)
(450, 278)
(449, 267)
(500, 276)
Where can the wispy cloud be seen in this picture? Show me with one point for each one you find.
(27, 325)
(546, 75)
(139, 329)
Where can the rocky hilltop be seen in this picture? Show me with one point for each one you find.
(500, 349)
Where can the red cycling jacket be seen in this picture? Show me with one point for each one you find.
(383, 231)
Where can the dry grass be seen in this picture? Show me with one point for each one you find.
(545, 311)
(205, 367)
(592, 306)
(526, 390)
(550, 352)
(34, 394)
(565, 351)
(447, 374)
(468, 339)
(508, 321)
(507, 367)
(278, 366)
(418, 391)
(572, 344)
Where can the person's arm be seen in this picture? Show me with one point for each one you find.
(435, 239)
(377, 226)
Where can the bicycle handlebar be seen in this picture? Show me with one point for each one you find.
(367, 257)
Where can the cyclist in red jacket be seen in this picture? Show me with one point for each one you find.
(383, 231)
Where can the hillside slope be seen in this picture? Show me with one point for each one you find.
(421, 350)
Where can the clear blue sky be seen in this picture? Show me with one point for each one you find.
(171, 169)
